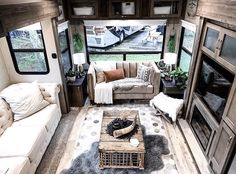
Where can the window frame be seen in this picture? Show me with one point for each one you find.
(181, 46)
(130, 52)
(68, 47)
(13, 51)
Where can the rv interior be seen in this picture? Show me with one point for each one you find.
(117, 86)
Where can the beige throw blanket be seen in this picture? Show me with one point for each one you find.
(103, 93)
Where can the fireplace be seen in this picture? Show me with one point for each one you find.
(203, 124)
(201, 128)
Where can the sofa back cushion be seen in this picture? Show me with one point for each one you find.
(114, 75)
(6, 116)
(130, 68)
(24, 99)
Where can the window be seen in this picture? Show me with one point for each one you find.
(186, 48)
(65, 51)
(137, 42)
(28, 51)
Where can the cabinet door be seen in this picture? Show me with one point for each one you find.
(227, 49)
(230, 116)
(211, 39)
(222, 148)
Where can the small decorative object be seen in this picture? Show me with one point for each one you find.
(71, 75)
(180, 77)
(79, 60)
(134, 142)
(122, 128)
(128, 8)
(83, 11)
(191, 8)
(162, 10)
(170, 59)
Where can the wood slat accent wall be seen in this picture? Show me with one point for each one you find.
(16, 16)
(219, 10)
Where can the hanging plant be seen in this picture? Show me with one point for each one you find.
(171, 44)
(78, 43)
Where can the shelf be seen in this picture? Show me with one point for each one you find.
(165, 8)
(83, 9)
(123, 9)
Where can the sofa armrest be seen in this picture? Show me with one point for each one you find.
(50, 92)
(155, 78)
(91, 80)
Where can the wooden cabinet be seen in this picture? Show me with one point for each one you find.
(124, 8)
(165, 8)
(230, 116)
(83, 9)
(77, 92)
(221, 151)
(220, 44)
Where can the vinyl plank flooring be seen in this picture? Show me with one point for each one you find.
(182, 156)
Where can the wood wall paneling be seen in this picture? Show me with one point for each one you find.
(224, 11)
(16, 16)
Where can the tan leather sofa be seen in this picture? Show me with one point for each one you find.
(130, 71)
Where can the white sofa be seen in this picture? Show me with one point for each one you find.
(23, 144)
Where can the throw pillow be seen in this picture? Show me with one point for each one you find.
(143, 72)
(101, 66)
(100, 77)
(24, 99)
(114, 75)
(6, 116)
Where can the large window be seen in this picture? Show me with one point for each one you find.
(28, 50)
(65, 51)
(120, 42)
(186, 48)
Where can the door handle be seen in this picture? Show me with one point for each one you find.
(229, 140)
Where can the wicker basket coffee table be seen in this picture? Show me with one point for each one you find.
(119, 153)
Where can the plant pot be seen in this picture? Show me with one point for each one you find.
(71, 79)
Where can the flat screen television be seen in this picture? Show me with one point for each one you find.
(213, 86)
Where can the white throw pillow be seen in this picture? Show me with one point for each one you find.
(24, 99)
(6, 116)
(143, 72)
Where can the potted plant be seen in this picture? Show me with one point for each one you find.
(180, 77)
(71, 75)
(77, 42)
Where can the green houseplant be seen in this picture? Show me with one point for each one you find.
(180, 77)
(71, 75)
(171, 44)
(78, 43)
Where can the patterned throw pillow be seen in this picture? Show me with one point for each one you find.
(143, 72)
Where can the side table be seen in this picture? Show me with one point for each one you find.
(77, 91)
(169, 88)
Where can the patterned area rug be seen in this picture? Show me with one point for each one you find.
(158, 158)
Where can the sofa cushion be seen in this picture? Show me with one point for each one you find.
(14, 165)
(6, 116)
(114, 75)
(143, 72)
(132, 86)
(24, 99)
(45, 117)
(100, 77)
(22, 141)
